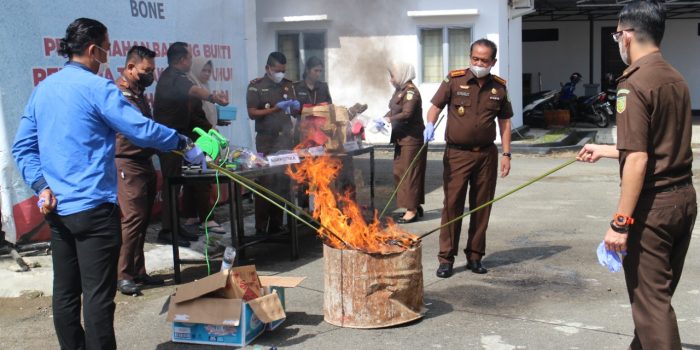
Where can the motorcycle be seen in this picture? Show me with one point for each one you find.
(592, 109)
(536, 104)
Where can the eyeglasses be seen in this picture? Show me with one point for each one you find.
(616, 35)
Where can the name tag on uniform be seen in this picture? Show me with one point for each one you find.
(496, 98)
(283, 159)
(462, 93)
(302, 94)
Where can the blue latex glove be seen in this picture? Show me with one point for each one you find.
(286, 104)
(429, 132)
(195, 155)
(296, 105)
(609, 259)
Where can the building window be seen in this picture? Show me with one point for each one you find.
(298, 47)
(442, 50)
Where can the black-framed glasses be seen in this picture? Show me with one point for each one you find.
(616, 35)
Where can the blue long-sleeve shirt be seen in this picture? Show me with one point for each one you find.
(67, 135)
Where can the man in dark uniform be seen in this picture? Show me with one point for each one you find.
(657, 207)
(271, 102)
(475, 98)
(173, 108)
(136, 177)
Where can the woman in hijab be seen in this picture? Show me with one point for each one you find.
(200, 74)
(406, 118)
(196, 205)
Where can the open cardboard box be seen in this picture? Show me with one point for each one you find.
(325, 125)
(229, 308)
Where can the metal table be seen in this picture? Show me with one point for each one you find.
(235, 201)
(235, 213)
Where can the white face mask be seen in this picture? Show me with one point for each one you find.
(623, 53)
(277, 77)
(480, 72)
(103, 65)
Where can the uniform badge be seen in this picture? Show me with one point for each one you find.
(621, 100)
(447, 80)
(409, 95)
(494, 91)
(285, 95)
(286, 88)
(267, 105)
(465, 87)
(621, 104)
(460, 110)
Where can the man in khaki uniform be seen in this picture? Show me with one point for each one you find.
(657, 207)
(474, 99)
(271, 103)
(136, 177)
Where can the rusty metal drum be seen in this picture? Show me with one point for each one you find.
(372, 290)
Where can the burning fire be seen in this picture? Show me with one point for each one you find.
(343, 217)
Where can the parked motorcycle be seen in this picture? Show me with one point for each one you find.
(536, 104)
(590, 109)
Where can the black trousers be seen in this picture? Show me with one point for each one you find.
(85, 250)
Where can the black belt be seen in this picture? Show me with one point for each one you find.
(468, 148)
(669, 188)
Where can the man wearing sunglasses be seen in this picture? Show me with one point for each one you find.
(657, 207)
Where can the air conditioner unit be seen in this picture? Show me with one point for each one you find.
(521, 4)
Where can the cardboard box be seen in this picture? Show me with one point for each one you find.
(324, 125)
(213, 310)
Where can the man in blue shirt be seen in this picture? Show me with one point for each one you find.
(64, 149)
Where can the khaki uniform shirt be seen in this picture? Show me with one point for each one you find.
(124, 147)
(472, 110)
(654, 116)
(406, 115)
(264, 93)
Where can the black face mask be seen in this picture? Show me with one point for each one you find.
(145, 80)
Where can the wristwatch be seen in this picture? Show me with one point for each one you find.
(622, 220)
(210, 98)
(507, 154)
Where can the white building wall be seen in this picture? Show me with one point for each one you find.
(364, 36)
(557, 60)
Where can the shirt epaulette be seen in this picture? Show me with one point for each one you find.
(627, 73)
(458, 73)
(499, 80)
(256, 80)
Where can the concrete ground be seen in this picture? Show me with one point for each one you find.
(544, 289)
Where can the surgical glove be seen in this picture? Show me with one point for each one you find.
(609, 259)
(284, 105)
(429, 132)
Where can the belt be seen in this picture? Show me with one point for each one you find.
(467, 148)
(669, 188)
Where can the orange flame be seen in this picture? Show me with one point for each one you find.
(342, 216)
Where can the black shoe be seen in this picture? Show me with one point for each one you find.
(444, 271)
(404, 221)
(149, 280)
(420, 211)
(164, 238)
(475, 266)
(128, 287)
